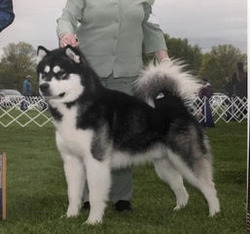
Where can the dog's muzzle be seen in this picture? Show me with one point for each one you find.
(45, 92)
(44, 89)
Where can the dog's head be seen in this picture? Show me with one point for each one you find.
(59, 73)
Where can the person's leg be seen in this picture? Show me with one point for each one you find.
(122, 188)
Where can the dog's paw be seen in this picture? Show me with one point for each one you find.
(90, 221)
(214, 207)
(180, 205)
(72, 212)
(71, 215)
(181, 199)
(214, 211)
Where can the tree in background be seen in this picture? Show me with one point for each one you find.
(18, 61)
(219, 64)
(181, 49)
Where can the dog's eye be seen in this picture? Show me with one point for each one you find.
(44, 75)
(62, 74)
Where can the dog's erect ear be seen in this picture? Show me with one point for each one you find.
(72, 54)
(41, 53)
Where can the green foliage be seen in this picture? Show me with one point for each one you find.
(215, 65)
(37, 195)
(17, 62)
(219, 64)
(180, 49)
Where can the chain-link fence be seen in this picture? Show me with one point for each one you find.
(24, 111)
(222, 108)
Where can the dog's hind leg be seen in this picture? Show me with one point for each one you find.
(167, 172)
(206, 186)
(99, 181)
(200, 176)
(75, 177)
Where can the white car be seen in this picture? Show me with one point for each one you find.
(10, 97)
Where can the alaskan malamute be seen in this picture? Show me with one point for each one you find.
(98, 129)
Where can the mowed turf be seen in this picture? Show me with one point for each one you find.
(37, 195)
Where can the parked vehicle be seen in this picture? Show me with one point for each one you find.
(10, 97)
(10, 92)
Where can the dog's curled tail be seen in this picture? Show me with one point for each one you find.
(167, 76)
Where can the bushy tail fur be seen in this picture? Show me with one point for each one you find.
(168, 76)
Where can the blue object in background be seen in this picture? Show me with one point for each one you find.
(6, 13)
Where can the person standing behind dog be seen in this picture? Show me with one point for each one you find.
(205, 93)
(110, 35)
(27, 87)
(27, 91)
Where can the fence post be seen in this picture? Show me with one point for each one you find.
(3, 185)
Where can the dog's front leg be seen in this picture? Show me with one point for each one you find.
(75, 177)
(99, 181)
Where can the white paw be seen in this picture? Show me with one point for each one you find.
(91, 221)
(181, 198)
(179, 207)
(214, 211)
(214, 208)
(181, 204)
(72, 212)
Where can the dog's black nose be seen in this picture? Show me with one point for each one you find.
(44, 87)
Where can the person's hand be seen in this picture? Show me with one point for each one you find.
(162, 56)
(165, 60)
(68, 39)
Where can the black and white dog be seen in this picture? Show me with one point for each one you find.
(98, 129)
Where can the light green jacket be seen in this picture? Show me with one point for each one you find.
(111, 33)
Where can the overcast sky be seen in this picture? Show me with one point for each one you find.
(203, 22)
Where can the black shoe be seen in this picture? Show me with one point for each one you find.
(86, 206)
(123, 205)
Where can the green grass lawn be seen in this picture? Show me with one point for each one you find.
(36, 190)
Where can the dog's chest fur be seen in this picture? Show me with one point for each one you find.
(71, 140)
